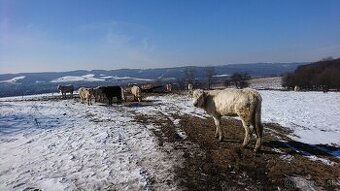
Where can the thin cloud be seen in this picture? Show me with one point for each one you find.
(117, 40)
(147, 44)
(31, 48)
(113, 26)
(4, 24)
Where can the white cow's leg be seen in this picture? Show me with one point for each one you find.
(258, 144)
(216, 132)
(246, 133)
(258, 139)
(217, 124)
(218, 128)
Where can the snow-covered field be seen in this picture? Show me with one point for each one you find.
(266, 83)
(92, 78)
(313, 116)
(13, 80)
(65, 145)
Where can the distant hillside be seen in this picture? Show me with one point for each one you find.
(33, 83)
(322, 75)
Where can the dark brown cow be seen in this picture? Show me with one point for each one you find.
(113, 91)
(65, 89)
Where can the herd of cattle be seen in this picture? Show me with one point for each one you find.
(107, 93)
(245, 103)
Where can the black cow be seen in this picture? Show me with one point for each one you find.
(66, 89)
(113, 91)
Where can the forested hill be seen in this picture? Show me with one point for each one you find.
(321, 75)
(34, 83)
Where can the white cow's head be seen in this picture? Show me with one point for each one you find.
(198, 97)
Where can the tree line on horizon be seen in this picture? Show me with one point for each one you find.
(322, 75)
(237, 79)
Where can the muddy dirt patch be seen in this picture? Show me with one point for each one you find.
(224, 166)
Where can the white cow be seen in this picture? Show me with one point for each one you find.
(85, 94)
(137, 93)
(245, 103)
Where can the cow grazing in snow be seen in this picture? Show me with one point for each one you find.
(137, 93)
(245, 103)
(85, 94)
(65, 89)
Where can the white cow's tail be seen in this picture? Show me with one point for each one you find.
(258, 124)
(122, 92)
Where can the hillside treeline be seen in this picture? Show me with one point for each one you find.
(322, 75)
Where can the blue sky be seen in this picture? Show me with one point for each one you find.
(63, 35)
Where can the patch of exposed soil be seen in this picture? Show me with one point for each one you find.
(224, 166)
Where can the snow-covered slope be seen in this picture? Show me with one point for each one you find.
(313, 116)
(88, 77)
(66, 145)
(13, 80)
(92, 78)
(266, 83)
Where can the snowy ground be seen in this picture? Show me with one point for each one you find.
(65, 145)
(313, 116)
(266, 83)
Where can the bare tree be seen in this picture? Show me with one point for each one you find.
(209, 72)
(181, 83)
(227, 83)
(189, 75)
(240, 80)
